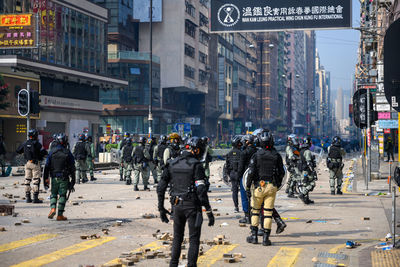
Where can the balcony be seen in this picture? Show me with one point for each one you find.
(133, 55)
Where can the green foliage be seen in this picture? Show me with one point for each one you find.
(3, 93)
(110, 146)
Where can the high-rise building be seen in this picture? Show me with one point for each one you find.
(67, 65)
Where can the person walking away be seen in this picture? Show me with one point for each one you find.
(141, 157)
(186, 177)
(292, 161)
(127, 160)
(151, 144)
(307, 167)
(232, 169)
(81, 151)
(334, 162)
(33, 154)
(2, 156)
(158, 155)
(91, 156)
(389, 148)
(266, 172)
(61, 168)
(120, 147)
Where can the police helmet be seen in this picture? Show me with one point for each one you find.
(306, 142)
(290, 139)
(265, 138)
(236, 141)
(33, 134)
(129, 141)
(163, 139)
(174, 136)
(62, 139)
(205, 140)
(126, 135)
(248, 139)
(81, 137)
(336, 141)
(55, 137)
(195, 144)
(142, 140)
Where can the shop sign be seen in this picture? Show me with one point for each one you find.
(383, 115)
(17, 31)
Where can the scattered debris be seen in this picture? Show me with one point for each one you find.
(119, 206)
(365, 218)
(16, 196)
(80, 196)
(2, 187)
(148, 216)
(13, 201)
(242, 225)
(309, 221)
(118, 223)
(26, 221)
(2, 229)
(105, 231)
(94, 236)
(214, 209)
(137, 197)
(315, 259)
(7, 209)
(223, 224)
(17, 224)
(75, 203)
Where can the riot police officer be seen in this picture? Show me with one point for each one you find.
(152, 142)
(206, 158)
(33, 154)
(173, 150)
(141, 157)
(91, 156)
(266, 172)
(158, 155)
(53, 143)
(60, 166)
(248, 151)
(292, 159)
(127, 160)
(307, 167)
(334, 162)
(233, 170)
(121, 146)
(81, 151)
(186, 176)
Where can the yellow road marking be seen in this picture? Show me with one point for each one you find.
(62, 253)
(25, 242)
(335, 250)
(290, 218)
(214, 254)
(285, 257)
(156, 245)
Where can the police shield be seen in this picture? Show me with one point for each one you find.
(225, 177)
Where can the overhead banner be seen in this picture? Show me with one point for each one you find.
(277, 15)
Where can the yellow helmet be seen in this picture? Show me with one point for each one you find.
(174, 136)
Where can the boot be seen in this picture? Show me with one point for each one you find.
(128, 181)
(52, 213)
(136, 188)
(28, 197)
(309, 201)
(146, 188)
(287, 189)
(280, 225)
(92, 178)
(253, 238)
(291, 195)
(121, 177)
(333, 192)
(84, 180)
(236, 210)
(61, 218)
(246, 218)
(78, 181)
(36, 198)
(260, 231)
(303, 198)
(339, 192)
(266, 241)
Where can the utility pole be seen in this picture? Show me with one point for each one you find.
(28, 119)
(150, 119)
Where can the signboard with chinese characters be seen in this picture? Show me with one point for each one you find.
(276, 15)
(388, 124)
(17, 31)
(383, 115)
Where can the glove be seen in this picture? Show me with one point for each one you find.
(211, 219)
(163, 215)
(46, 184)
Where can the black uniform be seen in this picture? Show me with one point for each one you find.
(233, 171)
(186, 176)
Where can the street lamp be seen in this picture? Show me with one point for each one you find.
(150, 119)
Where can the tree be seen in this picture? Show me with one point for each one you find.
(3, 93)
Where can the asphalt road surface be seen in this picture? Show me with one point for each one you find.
(315, 234)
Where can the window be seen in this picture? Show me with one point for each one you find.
(203, 20)
(189, 51)
(204, 3)
(190, 9)
(202, 57)
(203, 76)
(189, 72)
(190, 28)
(204, 37)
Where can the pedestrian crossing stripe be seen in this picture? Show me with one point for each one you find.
(153, 246)
(214, 254)
(25, 242)
(62, 253)
(285, 257)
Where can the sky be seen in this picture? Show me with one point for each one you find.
(338, 51)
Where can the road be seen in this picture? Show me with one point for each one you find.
(312, 231)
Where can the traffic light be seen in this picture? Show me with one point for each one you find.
(34, 102)
(23, 102)
(360, 109)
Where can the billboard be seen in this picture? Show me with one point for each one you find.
(141, 10)
(277, 15)
(17, 31)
